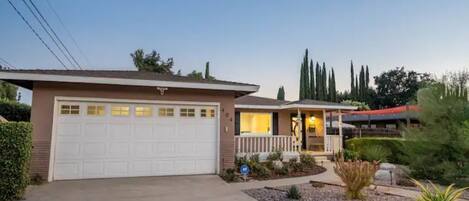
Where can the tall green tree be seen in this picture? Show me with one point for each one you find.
(318, 82)
(8, 91)
(362, 81)
(356, 88)
(334, 89)
(324, 81)
(302, 93)
(367, 78)
(352, 79)
(304, 78)
(329, 86)
(281, 93)
(312, 84)
(151, 62)
(207, 72)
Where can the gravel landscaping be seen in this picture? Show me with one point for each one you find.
(310, 193)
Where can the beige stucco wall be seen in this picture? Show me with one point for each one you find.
(43, 107)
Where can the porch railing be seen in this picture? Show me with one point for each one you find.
(260, 144)
(332, 143)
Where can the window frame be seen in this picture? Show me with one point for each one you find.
(257, 134)
(120, 110)
(69, 109)
(209, 113)
(165, 112)
(143, 113)
(187, 113)
(96, 110)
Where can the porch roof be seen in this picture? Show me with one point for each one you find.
(255, 102)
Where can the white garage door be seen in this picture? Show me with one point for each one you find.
(104, 140)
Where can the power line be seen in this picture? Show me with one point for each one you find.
(7, 63)
(37, 35)
(55, 34)
(68, 32)
(47, 32)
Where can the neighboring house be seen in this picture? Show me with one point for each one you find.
(105, 124)
(389, 118)
(263, 125)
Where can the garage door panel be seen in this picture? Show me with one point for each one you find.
(104, 146)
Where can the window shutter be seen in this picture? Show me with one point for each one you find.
(237, 123)
(275, 123)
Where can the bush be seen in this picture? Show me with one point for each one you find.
(14, 111)
(229, 175)
(356, 175)
(260, 170)
(307, 160)
(275, 156)
(351, 155)
(293, 193)
(434, 193)
(394, 145)
(15, 154)
(376, 153)
(295, 165)
(281, 171)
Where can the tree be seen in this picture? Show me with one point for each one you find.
(367, 77)
(8, 91)
(302, 94)
(318, 82)
(179, 73)
(151, 62)
(352, 79)
(362, 90)
(281, 93)
(334, 89)
(304, 78)
(397, 86)
(312, 84)
(439, 149)
(207, 72)
(196, 75)
(324, 81)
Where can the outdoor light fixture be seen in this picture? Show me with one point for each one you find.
(311, 119)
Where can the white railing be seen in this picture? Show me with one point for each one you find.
(332, 143)
(264, 144)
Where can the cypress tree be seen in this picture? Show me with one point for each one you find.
(334, 89)
(306, 75)
(356, 87)
(281, 93)
(362, 84)
(324, 81)
(302, 81)
(367, 77)
(318, 81)
(352, 78)
(312, 86)
(329, 87)
(207, 70)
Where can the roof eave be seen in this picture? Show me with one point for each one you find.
(331, 107)
(123, 81)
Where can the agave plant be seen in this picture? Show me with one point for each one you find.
(433, 193)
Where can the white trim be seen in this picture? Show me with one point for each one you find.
(324, 116)
(123, 81)
(295, 106)
(57, 99)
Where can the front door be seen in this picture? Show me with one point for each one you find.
(295, 127)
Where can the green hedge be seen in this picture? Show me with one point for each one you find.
(15, 155)
(394, 145)
(14, 111)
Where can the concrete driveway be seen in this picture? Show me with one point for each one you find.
(200, 187)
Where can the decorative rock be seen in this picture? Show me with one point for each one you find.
(387, 166)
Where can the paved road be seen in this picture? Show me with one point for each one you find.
(201, 187)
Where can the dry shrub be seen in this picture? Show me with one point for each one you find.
(356, 175)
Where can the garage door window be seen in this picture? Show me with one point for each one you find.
(166, 112)
(143, 111)
(70, 109)
(120, 110)
(187, 112)
(95, 110)
(207, 113)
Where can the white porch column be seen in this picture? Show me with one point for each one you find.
(326, 144)
(299, 137)
(340, 131)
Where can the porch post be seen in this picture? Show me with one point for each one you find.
(340, 131)
(299, 136)
(326, 144)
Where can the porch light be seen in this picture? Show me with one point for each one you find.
(311, 119)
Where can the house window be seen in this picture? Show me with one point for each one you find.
(95, 110)
(207, 113)
(143, 111)
(166, 112)
(120, 110)
(255, 123)
(187, 112)
(391, 126)
(70, 109)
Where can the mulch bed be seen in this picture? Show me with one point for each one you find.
(314, 170)
(324, 193)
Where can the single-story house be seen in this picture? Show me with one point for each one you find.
(106, 124)
(388, 118)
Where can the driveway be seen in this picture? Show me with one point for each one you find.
(200, 187)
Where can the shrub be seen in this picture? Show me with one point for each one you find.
(293, 193)
(295, 165)
(260, 170)
(376, 153)
(15, 154)
(356, 175)
(239, 161)
(351, 155)
(229, 175)
(281, 171)
(307, 160)
(275, 156)
(394, 145)
(434, 193)
(14, 111)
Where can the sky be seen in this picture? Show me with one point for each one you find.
(253, 41)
